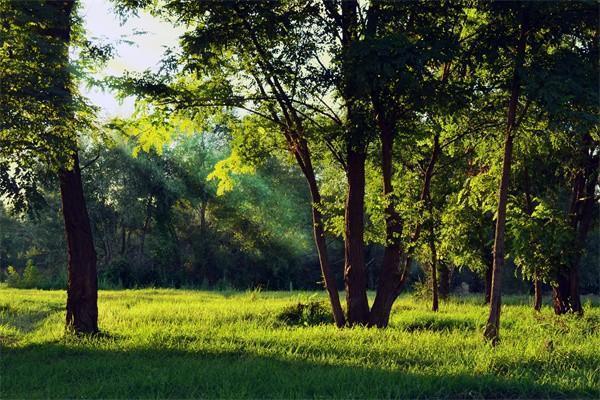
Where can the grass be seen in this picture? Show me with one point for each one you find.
(191, 344)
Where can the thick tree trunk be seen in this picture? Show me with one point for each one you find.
(390, 278)
(391, 281)
(82, 286)
(537, 295)
(565, 296)
(355, 271)
(492, 327)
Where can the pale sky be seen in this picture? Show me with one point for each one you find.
(102, 23)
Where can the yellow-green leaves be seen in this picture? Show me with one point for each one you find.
(225, 169)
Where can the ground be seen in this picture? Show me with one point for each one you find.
(185, 343)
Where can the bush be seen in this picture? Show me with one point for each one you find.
(32, 278)
(422, 290)
(306, 314)
(13, 279)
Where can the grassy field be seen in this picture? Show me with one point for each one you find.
(183, 344)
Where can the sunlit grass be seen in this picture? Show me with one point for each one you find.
(183, 343)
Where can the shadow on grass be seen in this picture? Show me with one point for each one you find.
(26, 320)
(58, 371)
(438, 324)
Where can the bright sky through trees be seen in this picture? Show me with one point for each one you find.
(140, 42)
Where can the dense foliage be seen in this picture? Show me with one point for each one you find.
(446, 141)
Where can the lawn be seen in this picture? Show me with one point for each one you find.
(185, 343)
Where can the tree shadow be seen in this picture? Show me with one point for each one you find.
(54, 370)
(25, 320)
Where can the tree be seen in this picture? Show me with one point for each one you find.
(41, 124)
(270, 49)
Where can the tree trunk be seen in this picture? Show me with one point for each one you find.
(82, 286)
(537, 285)
(390, 283)
(488, 284)
(560, 294)
(444, 287)
(146, 224)
(566, 296)
(434, 282)
(355, 272)
(537, 293)
(433, 250)
(303, 157)
(123, 238)
(492, 327)
(390, 279)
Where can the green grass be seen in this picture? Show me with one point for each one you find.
(183, 344)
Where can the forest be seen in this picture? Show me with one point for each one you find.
(347, 189)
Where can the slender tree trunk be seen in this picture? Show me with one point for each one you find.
(123, 238)
(492, 328)
(355, 271)
(304, 160)
(537, 285)
(433, 250)
(82, 286)
(488, 284)
(537, 293)
(203, 206)
(444, 287)
(146, 224)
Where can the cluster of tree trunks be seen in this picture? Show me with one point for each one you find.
(565, 293)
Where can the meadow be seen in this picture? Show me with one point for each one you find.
(158, 343)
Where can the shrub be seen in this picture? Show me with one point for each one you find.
(32, 278)
(13, 279)
(306, 314)
(422, 290)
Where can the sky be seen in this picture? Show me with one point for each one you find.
(102, 24)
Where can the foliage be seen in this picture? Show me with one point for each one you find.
(30, 278)
(306, 314)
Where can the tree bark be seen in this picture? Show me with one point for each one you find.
(355, 271)
(390, 279)
(537, 294)
(444, 286)
(433, 250)
(82, 286)
(492, 327)
(566, 297)
(304, 160)
(537, 285)
(488, 284)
